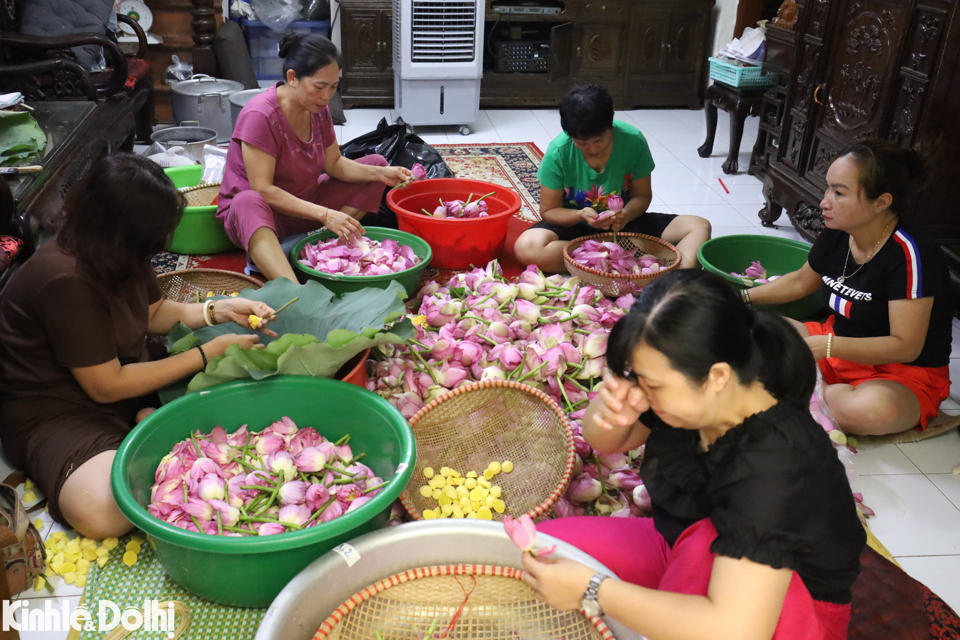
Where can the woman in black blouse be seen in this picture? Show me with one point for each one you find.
(754, 532)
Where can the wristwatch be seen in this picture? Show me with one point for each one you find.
(591, 606)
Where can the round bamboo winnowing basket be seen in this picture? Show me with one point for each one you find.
(496, 420)
(201, 195)
(466, 602)
(614, 285)
(186, 284)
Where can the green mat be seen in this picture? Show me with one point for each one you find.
(127, 587)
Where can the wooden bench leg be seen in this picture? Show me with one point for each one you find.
(710, 111)
(737, 117)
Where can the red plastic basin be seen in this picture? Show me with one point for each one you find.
(355, 370)
(456, 243)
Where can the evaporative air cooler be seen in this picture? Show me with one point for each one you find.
(438, 60)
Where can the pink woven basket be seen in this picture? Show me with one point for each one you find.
(466, 602)
(614, 285)
(495, 420)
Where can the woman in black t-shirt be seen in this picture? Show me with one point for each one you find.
(754, 532)
(885, 350)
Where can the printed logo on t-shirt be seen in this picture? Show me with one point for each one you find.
(595, 197)
(840, 305)
(844, 290)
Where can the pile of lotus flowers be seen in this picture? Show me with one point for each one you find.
(468, 208)
(754, 274)
(610, 257)
(360, 257)
(546, 332)
(247, 483)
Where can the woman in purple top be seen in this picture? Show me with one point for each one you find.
(285, 174)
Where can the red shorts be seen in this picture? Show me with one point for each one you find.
(931, 385)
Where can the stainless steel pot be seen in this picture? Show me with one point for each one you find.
(307, 600)
(240, 99)
(191, 137)
(206, 100)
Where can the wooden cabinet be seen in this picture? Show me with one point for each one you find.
(857, 69)
(367, 48)
(646, 52)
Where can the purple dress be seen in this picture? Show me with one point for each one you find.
(299, 172)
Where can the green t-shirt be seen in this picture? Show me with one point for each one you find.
(563, 168)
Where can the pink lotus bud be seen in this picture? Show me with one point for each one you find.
(471, 210)
(586, 313)
(498, 332)
(418, 172)
(451, 375)
(469, 353)
(510, 357)
(310, 460)
(756, 270)
(271, 529)
(409, 403)
(527, 291)
(219, 453)
(641, 498)
(583, 488)
(522, 531)
(335, 510)
(293, 492)
(626, 302)
(212, 487)
(613, 461)
(533, 275)
(595, 345)
(218, 435)
(269, 443)
(239, 437)
(527, 311)
(294, 515)
(199, 509)
(503, 292)
(229, 515)
(306, 437)
(625, 478)
(609, 505)
(282, 462)
(284, 427)
(493, 373)
(440, 212)
(443, 349)
(615, 203)
(344, 452)
(203, 466)
(454, 208)
(347, 493)
(565, 508)
(358, 502)
(317, 496)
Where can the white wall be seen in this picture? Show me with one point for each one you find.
(726, 20)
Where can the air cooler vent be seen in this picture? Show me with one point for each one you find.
(397, 42)
(444, 31)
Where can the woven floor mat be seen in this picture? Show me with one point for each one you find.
(939, 425)
(128, 587)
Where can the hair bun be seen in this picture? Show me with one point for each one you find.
(288, 42)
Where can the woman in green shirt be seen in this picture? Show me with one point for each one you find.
(594, 158)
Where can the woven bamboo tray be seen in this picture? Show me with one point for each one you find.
(473, 425)
(466, 601)
(614, 285)
(186, 284)
(201, 195)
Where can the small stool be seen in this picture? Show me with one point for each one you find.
(739, 103)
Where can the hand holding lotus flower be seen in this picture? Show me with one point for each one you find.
(523, 533)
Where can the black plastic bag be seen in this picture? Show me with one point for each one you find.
(401, 148)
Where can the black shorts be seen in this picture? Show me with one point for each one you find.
(651, 223)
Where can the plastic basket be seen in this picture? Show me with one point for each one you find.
(740, 74)
(264, 44)
(614, 285)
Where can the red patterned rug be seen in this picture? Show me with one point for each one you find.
(511, 165)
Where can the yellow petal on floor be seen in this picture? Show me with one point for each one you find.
(489, 501)
(471, 515)
(68, 567)
(137, 539)
(470, 483)
(446, 509)
(73, 557)
(111, 543)
(39, 583)
(90, 554)
(450, 491)
(436, 494)
(86, 542)
(57, 566)
(28, 484)
(102, 551)
(38, 523)
(445, 472)
(81, 581)
(70, 577)
(102, 560)
(462, 492)
(29, 496)
(488, 474)
(83, 566)
(133, 546)
(455, 474)
(49, 571)
(72, 547)
(46, 507)
(457, 512)
(475, 506)
(59, 557)
(444, 500)
(129, 558)
(476, 495)
(483, 482)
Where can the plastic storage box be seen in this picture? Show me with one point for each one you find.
(264, 44)
(740, 74)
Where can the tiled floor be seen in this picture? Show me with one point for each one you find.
(911, 487)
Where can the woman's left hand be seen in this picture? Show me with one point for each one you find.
(818, 346)
(560, 583)
(392, 176)
(239, 310)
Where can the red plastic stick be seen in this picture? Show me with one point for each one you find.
(723, 185)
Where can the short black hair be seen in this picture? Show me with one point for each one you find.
(307, 54)
(123, 212)
(586, 112)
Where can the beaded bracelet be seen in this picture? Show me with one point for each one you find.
(745, 296)
(202, 355)
(829, 344)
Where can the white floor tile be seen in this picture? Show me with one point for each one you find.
(941, 574)
(750, 193)
(955, 379)
(935, 455)
(663, 159)
(696, 194)
(718, 231)
(719, 215)
(40, 628)
(433, 135)
(955, 345)
(783, 231)
(949, 484)
(883, 459)
(913, 517)
(516, 125)
(672, 176)
(482, 131)
(549, 120)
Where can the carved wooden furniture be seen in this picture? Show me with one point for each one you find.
(739, 102)
(857, 69)
(646, 52)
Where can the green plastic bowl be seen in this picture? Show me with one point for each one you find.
(200, 232)
(410, 279)
(250, 572)
(779, 256)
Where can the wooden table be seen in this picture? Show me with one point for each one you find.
(739, 103)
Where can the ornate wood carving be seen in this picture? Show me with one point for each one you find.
(866, 35)
(925, 41)
(808, 218)
(907, 112)
(805, 78)
(204, 28)
(795, 142)
(819, 9)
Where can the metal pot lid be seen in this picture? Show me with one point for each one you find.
(201, 84)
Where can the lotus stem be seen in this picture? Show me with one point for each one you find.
(582, 331)
(243, 452)
(532, 372)
(490, 340)
(563, 391)
(518, 368)
(603, 486)
(319, 511)
(478, 319)
(219, 524)
(424, 210)
(197, 523)
(382, 484)
(469, 198)
(430, 372)
(274, 314)
(342, 472)
(479, 302)
(486, 196)
(573, 298)
(196, 446)
(344, 440)
(239, 530)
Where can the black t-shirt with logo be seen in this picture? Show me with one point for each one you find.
(907, 266)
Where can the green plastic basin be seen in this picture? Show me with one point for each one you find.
(251, 571)
(778, 256)
(339, 284)
(200, 232)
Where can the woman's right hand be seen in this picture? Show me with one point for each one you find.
(218, 346)
(621, 403)
(590, 215)
(346, 227)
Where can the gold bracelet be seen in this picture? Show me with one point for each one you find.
(829, 344)
(206, 313)
(213, 311)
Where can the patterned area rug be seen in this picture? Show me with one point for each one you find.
(510, 165)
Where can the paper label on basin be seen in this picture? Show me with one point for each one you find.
(348, 553)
